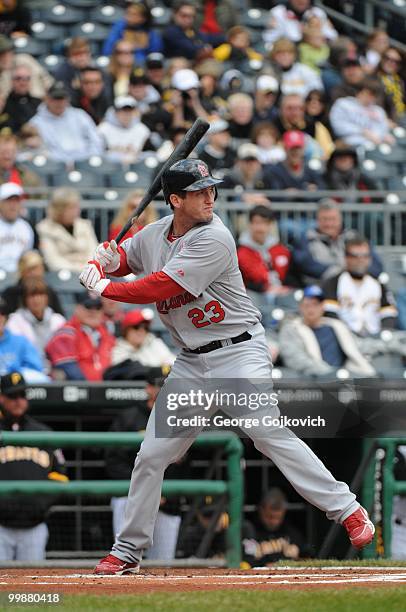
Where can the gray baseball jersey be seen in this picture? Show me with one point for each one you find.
(215, 304)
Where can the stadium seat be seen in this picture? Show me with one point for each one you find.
(397, 183)
(48, 31)
(26, 44)
(378, 171)
(67, 286)
(76, 179)
(51, 62)
(82, 4)
(106, 15)
(46, 168)
(390, 154)
(161, 15)
(63, 15)
(99, 167)
(127, 179)
(91, 31)
(255, 18)
(6, 280)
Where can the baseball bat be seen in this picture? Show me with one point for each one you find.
(184, 148)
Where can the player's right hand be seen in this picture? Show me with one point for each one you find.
(107, 255)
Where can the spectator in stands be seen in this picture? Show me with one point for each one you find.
(138, 343)
(185, 98)
(343, 173)
(247, 174)
(266, 94)
(35, 320)
(67, 241)
(295, 78)
(352, 77)
(340, 49)
(15, 18)
(217, 152)
(11, 170)
(136, 29)
(23, 530)
(357, 298)
(267, 138)
(81, 349)
(181, 38)
(320, 252)
(237, 49)
(127, 208)
(30, 266)
(294, 174)
(69, 134)
(390, 74)
(215, 16)
(287, 21)
(93, 95)
(78, 56)
(262, 259)
(270, 537)
(16, 234)
(40, 78)
(120, 67)
(291, 114)
(17, 353)
(314, 50)
(209, 72)
(149, 103)
(123, 133)
(120, 462)
(113, 314)
(360, 121)
(241, 115)
(155, 71)
(193, 534)
(20, 104)
(377, 44)
(314, 345)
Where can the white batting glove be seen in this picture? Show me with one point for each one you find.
(107, 255)
(93, 278)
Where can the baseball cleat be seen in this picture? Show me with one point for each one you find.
(112, 566)
(360, 528)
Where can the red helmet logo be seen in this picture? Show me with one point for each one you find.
(202, 168)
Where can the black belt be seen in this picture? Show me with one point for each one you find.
(216, 344)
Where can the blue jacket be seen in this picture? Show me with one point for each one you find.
(178, 44)
(117, 33)
(17, 353)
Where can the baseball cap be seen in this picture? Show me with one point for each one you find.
(185, 79)
(12, 383)
(89, 301)
(248, 150)
(58, 91)
(313, 291)
(266, 82)
(124, 102)
(6, 44)
(154, 60)
(135, 317)
(218, 126)
(138, 77)
(156, 376)
(292, 139)
(10, 190)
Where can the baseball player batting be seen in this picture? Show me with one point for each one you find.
(191, 271)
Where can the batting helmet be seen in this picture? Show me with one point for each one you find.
(187, 175)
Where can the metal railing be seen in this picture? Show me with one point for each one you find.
(233, 487)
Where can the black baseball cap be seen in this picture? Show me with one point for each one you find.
(3, 307)
(12, 384)
(58, 91)
(89, 301)
(156, 375)
(138, 77)
(154, 60)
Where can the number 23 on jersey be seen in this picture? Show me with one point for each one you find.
(212, 312)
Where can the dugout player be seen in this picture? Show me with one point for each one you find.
(191, 271)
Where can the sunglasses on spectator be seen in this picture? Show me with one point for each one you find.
(358, 255)
(390, 58)
(16, 395)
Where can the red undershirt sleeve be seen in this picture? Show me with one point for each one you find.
(152, 288)
(124, 268)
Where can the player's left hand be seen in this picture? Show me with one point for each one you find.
(93, 278)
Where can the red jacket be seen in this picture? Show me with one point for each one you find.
(255, 270)
(72, 343)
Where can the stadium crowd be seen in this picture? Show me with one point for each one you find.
(294, 106)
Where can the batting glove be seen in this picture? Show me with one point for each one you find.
(93, 278)
(107, 255)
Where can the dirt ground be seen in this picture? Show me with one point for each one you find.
(176, 580)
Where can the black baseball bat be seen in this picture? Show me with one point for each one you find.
(184, 148)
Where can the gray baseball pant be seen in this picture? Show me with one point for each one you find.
(292, 456)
